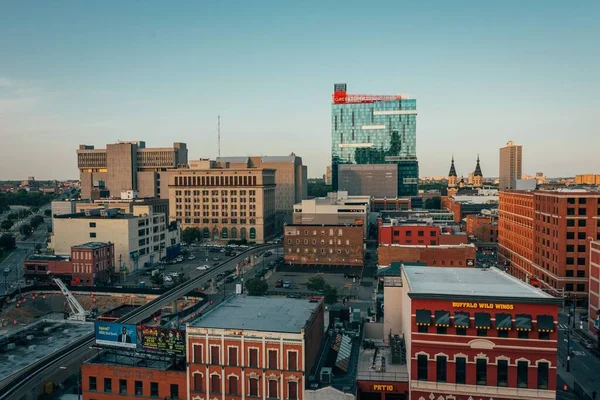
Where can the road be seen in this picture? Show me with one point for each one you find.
(584, 365)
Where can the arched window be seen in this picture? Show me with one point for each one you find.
(234, 233)
(206, 233)
(233, 385)
(252, 233)
(224, 233)
(243, 233)
(215, 383)
(215, 233)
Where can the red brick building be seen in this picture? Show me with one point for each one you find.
(407, 234)
(452, 238)
(594, 296)
(254, 347)
(463, 255)
(475, 333)
(544, 236)
(483, 227)
(90, 263)
(324, 244)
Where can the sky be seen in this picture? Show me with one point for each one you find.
(483, 73)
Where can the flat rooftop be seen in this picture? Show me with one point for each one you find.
(91, 245)
(132, 360)
(47, 257)
(368, 370)
(476, 282)
(271, 314)
(83, 216)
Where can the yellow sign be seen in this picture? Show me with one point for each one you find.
(383, 388)
(487, 306)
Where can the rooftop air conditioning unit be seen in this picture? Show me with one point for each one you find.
(326, 375)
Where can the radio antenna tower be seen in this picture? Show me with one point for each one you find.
(219, 135)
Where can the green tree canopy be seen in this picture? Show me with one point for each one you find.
(256, 287)
(8, 242)
(330, 293)
(316, 283)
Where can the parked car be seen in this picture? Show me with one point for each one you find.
(279, 283)
(216, 258)
(315, 299)
(167, 278)
(260, 274)
(267, 254)
(202, 267)
(351, 275)
(192, 257)
(287, 284)
(293, 296)
(229, 279)
(220, 276)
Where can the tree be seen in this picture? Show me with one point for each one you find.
(316, 283)
(26, 229)
(190, 235)
(318, 188)
(48, 212)
(8, 242)
(433, 203)
(36, 221)
(157, 279)
(180, 278)
(6, 224)
(38, 247)
(35, 209)
(256, 287)
(330, 294)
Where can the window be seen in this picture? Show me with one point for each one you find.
(215, 384)
(432, 242)
(569, 287)
(581, 223)
(481, 332)
(581, 235)
(503, 333)
(481, 371)
(122, 386)
(431, 233)
(544, 335)
(273, 359)
(272, 389)
(233, 351)
(570, 222)
(570, 248)
(442, 330)
(420, 233)
(581, 287)
(198, 381)
(570, 261)
(580, 261)
(92, 383)
(581, 212)
(253, 387)
(292, 361)
(542, 370)
(570, 235)
(503, 373)
(154, 389)
(422, 328)
(92, 234)
(139, 388)
(408, 233)
(461, 331)
(107, 385)
(461, 370)
(253, 358)
(233, 385)
(92, 224)
(174, 391)
(440, 369)
(292, 390)
(523, 334)
(581, 248)
(214, 355)
(569, 273)
(422, 367)
(522, 372)
(581, 274)
(198, 354)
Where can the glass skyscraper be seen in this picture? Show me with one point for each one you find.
(369, 129)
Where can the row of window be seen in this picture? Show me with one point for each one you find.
(322, 232)
(232, 357)
(419, 233)
(214, 200)
(233, 387)
(322, 241)
(214, 192)
(314, 251)
(481, 371)
(137, 389)
(215, 181)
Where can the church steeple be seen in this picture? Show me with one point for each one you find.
(452, 169)
(477, 168)
(477, 175)
(452, 175)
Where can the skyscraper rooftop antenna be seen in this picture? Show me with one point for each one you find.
(219, 135)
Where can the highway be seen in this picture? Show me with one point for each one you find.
(22, 384)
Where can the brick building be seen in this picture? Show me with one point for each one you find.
(90, 263)
(324, 244)
(393, 232)
(254, 347)
(545, 235)
(594, 295)
(462, 255)
(475, 333)
(483, 227)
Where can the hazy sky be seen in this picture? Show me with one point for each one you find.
(483, 73)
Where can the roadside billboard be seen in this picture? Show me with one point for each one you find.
(117, 335)
(155, 338)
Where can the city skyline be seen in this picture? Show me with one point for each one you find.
(483, 75)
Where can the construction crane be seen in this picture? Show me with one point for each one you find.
(77, 311)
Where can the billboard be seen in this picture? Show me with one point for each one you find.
(113, 334)
(163, 340)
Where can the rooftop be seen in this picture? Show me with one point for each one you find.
(83, 216)
(91, 245)
(47, 257)
(271, 314)
(423, 246)
(465, 282)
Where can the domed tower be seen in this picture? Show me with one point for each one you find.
(477, 175)
(452, 175)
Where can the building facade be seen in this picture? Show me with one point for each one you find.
(368, 129)
(408, 234)
(225, 203)
(375, 180)
(511, 165)
(587, 179)
(463, 255)
(483, 227)
(324, 244)
(254, 347)
(546, 234)
(128, 166)
(594, 295)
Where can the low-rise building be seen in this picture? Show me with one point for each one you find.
(408, 233)
(462, 255)
(324, 244)
(587, 179)
(254, 347)
(125, 204)
(483, 227)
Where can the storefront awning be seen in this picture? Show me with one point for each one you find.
(545, 323)
(424, 317)
(461, 320)
(503, 322)
(483, 320)
(442, 318)
(523, 322)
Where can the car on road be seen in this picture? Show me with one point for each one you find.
(167, 278)
(202, 267)
(279, 283)
(268, 254)
(293, 296)
(220, 276)
(351, 275)
(229, 279)
(173, 274)
(260, 274)
(192, 257)
(7, 270)
(287, 284)
(216, 258)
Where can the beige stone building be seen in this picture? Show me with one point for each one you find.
(140, 238)
(587, 179)
(511, 165)
(126, 166)
(225, 200)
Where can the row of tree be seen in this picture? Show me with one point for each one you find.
(24, 198)
(259, 287)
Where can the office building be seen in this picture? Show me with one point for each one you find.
(511, 165)
(594, 296)
(327, 177)
(587, 179)
(290, 180)
(125, 205)
(127, 166)
(471, 332)
(140, 238)
(375, 180)
(544, 235)
(225, 201)
(324, 244)
(254, 347)
(374, 130)
(460, 255)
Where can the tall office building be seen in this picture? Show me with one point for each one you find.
(511, 165)
(370, 129)
(126, 166)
